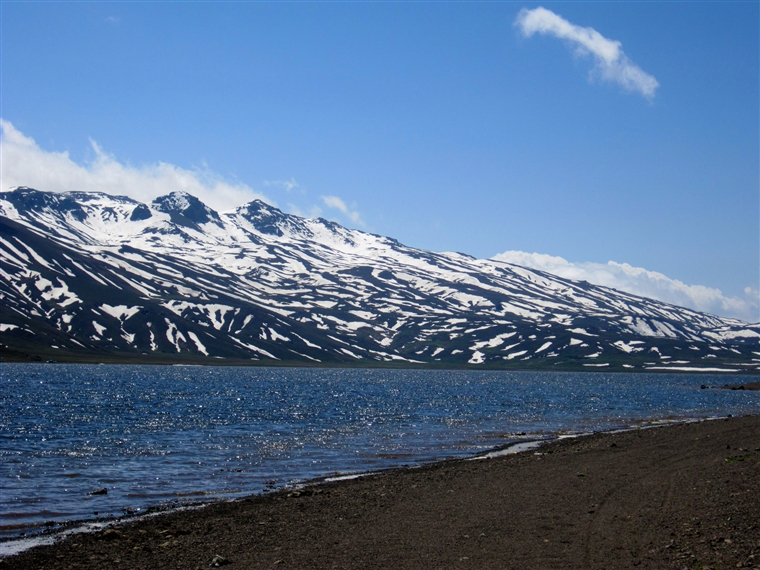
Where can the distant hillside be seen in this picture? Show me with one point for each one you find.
(97, 277)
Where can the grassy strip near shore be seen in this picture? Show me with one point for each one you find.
(609, 363)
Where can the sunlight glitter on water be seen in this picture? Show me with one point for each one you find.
(156, 436)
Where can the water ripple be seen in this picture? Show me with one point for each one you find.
(153, 435)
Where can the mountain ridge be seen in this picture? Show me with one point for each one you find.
(110, 276)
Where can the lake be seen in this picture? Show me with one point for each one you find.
(158, 436)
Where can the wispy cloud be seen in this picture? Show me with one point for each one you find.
(24, 163)
(286, 185)
(639, 281)
(312, 212)
(338, 204)
(610, 63)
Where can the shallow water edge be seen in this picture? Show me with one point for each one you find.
(66, 529)
(157, 438)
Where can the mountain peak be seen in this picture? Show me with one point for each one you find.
(184, 207)
(260, 206)
(26, 199)
(257, 283)
(265, 218)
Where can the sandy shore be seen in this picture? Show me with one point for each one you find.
(682, 496)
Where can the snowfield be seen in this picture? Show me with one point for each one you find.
(88, 271)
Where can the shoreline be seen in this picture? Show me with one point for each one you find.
(54, 501)
(615, 366)
(54, 533)
(419, 500)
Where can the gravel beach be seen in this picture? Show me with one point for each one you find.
(679, 496)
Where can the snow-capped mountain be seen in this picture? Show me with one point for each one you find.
(105, 276)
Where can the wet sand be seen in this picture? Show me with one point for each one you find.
(681, 496)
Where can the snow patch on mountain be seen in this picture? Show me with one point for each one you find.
(264, 284)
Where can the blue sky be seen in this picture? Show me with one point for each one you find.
(443, 124)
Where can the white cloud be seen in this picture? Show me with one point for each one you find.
(24, 163)
(287, 185)
(639, 281)
(338, 204)
(610, 63)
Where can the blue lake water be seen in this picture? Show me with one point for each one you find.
(158, 435)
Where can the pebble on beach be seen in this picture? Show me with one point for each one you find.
(218, 561)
